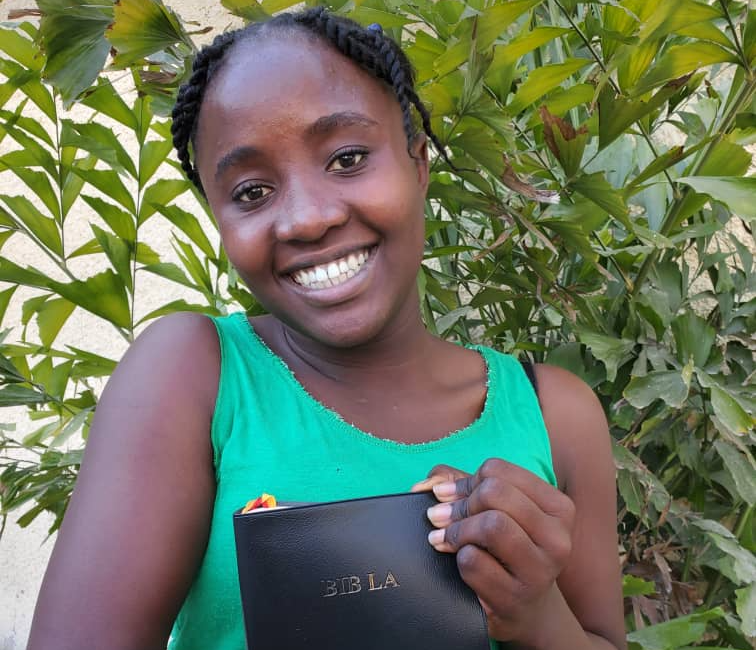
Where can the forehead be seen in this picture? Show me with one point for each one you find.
(285, 81)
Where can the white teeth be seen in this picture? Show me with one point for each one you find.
(333, 273)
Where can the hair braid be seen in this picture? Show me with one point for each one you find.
(189, 100)
(376, 53)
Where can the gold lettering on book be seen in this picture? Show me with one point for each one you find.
(348, 585)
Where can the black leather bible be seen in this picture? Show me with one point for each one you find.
(353, 575)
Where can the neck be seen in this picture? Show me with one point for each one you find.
(400, 354)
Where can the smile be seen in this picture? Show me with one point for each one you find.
(334, 273)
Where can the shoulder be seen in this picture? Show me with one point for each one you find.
(182, 345)
(575, 421)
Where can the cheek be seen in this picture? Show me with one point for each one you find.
(245, 243)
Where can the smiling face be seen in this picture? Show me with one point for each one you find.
(304, 161)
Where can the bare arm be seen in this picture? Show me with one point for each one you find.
(137, 525)
(589, 586)
(543, 562)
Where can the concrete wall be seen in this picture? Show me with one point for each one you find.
(24, 553)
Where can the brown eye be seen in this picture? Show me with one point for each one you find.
(346, 160)
(248, 193)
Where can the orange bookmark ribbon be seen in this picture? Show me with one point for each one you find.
(263, 501)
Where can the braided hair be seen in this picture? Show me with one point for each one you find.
(369, 47)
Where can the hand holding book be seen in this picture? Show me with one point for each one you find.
(512, 533)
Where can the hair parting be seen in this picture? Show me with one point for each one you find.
(369, 47)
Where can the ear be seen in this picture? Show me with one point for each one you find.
(419, 154)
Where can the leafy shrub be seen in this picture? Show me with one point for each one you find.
(601, 220)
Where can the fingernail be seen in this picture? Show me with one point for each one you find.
(448, 489)
(440, 515)
(420, 487)
(436, 537)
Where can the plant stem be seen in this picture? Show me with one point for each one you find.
(616, 88)
(738, 45)
(670, 219)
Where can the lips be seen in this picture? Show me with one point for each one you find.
(333, 273)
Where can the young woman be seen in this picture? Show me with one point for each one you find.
(301, 134)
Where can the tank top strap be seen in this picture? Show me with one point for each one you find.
(513, 398)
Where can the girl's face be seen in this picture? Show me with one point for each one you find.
(304, 161)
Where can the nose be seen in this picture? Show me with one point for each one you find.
(309, 212)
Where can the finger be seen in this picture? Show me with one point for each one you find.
(496, 493)
(548, 498)
(495, 586)
(429, 483)
(502, 537)
(439, 474)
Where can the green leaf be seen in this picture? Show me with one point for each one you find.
(100, 141)
(741, 468)
(694, 338)
(487, 27)
(105, 99)
(746, 607)
(194, 266)
(72, 33)
(680, 60)
(739, 565)
(612, 352)
(176, 306)
(152, 155)
(190, 226)
(43, 228)
(161, 192)
(119, 254)
(142, 28)
(673, 634)
(616, 113)
(668, 385)
(32, 152)
(88, 364)
(596, 188)
(543, 80)
(170, 271)
(21, 48)
(110, 184)
(31, 277)
(39, 183)
(529, 40)
(671, 17)
(366, 15)
(103, 294)
(70, 428)
(494, 20)
(725, 159)
(249, 10)
(15, 395)
(739, 194)
(632, 586)
(5, 297)
(51, 316)
(73, 184)
(120, 222)
(729, 412)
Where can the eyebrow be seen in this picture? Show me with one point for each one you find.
(322, 126)
(327, 123)
(235, 157)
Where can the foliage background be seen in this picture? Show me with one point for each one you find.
(640, 282)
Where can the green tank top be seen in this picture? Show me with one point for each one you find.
(270, 435)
